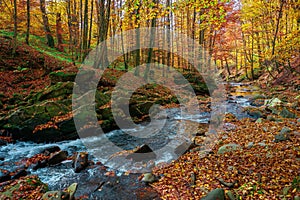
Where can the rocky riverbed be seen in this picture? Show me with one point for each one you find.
(63, 163)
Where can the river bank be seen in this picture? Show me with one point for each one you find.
(255, 155)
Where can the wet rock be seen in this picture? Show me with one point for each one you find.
(19, 173)
(228, 148)
(149, 178)
(285, 113)
(215, 194)
(143, 152)
(57, 157)
(40, 164)
(4, 175)
(81, 161)
(2, 142)
(50, 150)
(283, 135)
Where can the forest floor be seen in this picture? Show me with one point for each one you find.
(261, 159)
(262, 156)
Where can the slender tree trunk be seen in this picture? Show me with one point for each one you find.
(91, 24)
(277, 26)
(252, 51)
(103, 22)
(227, 67)
(123, 50)
(137, 38)
(150, 51)
(15, 39)
(85, 30)
(59, 31)
(28, 21)
(50, 40)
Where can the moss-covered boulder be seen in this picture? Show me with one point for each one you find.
(59, 76)
(28, 187)
(61, 90)
(22, 122)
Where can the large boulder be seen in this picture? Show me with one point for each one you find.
(22, 122)
(35, 119)
(56, 195)
(59, 76)
(21, 188)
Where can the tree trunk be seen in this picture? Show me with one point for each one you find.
(91, 24)
(85, 31)
(277, 26)
(137, 38)
(103, 22)
(59, 31)
(50, 40)
(28, 21)
(151, 44)
(15, 28)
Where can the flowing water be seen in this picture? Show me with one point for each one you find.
(60, 176)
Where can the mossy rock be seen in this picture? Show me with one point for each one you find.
(101, 99)
(56, 77)
(228, 148)
(61, 90)
(19, 189)
(23, 121)
(15, 99)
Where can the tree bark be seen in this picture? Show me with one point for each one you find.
(91, 24)
(15, 28)
(59, 31)
(50, 40)
(151, 44)
(28, 21)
